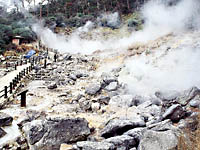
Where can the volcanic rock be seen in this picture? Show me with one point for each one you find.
(153, 140)
(118, 126)
(93, 89)
(52, 132)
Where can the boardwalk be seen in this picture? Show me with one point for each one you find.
(5, 81)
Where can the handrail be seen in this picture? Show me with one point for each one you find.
(11, 87)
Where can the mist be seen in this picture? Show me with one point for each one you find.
(173, 69)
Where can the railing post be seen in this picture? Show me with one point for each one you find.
(11, 87)
(18, 78)
(15, 67)
(6, 90)
(55, 57)
(45, 63)
(6, 65)
(27, 70)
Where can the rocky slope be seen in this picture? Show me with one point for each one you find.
(84, 102)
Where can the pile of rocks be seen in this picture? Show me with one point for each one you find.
(128, 121)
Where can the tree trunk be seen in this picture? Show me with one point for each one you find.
(128, 5)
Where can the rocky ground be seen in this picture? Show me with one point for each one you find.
(80, 102)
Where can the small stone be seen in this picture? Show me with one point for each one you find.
(103, 100)
(52, 86)
(112, 86)
(95, 106)
(195, 103)
(93, 89)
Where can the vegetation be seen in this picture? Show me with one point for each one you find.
(62, 13)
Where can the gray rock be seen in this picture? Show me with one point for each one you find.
(153, 140)
(5, 119)
(112, 86)
(51, 133)
(122, 100)
(118, 126)
(84, 104)
(107, 79)
(161, 126)
(93, 89)
(36, 132)
(52, 86)
(175, 113)
(73, 77)
(88, 145)
(188, 95)
(103, 99)
(195, 103)
(2, 133)
(167, 96)
(136, 133)
(123, 142)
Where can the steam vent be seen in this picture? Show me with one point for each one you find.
(99, 75)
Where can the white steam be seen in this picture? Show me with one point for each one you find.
(166, 70)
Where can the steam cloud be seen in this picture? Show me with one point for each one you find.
(176, 69)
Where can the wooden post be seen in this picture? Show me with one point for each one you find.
(45, 63)
(55, 57)
(13, 81)
(6, 90)
(23, 98)
(11, 87)
(17, 78)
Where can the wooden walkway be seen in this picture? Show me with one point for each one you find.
(6, 80)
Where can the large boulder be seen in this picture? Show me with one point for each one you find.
(88, 145)
(152, 140)
(51, 133)
(118, 126)
(5, 119)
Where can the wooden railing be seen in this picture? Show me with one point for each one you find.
(9, 89)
